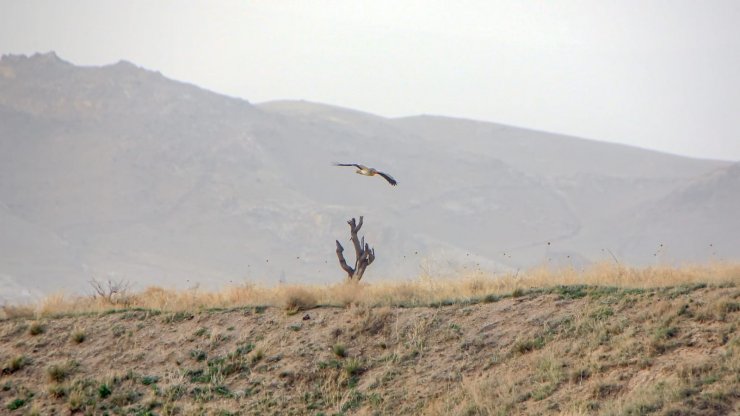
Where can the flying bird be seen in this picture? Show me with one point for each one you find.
(364, 170)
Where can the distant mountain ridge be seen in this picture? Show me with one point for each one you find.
(117, 171)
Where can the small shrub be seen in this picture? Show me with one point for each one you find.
(76, 401)
(104, 391)
(525, 346)
(685, 289)
(201, 395)
(57, 391)
(684, 311)
(60, 372)
(491, 298)
(602, 391)
(197, 375)
(198, 355)
(17, 311)
(544, 391)
(353, 402)
(14, 364)
(711, 379)
(223, 391)
(149, 380)
(353, 367)
(15, 404)
(125, 398)
(175, 392)
(334, 364)
(726, 308)
(78, 337)
(339, 350)
(571, 292)
(257, 355)
(243, 350)
(602, 313)
(666, 332)
(118, 330)
(579, 376)
(178, 317)
(36, 328)
(114, 292)
(296, 299)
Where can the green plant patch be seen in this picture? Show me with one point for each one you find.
(525, 346)
(149, 380)
(339, 350)
(601, 314)
(334, 364)
(15, 404)
(178, 317)
(666, 332)
(243, 350)
(198, 355)
(104, 391)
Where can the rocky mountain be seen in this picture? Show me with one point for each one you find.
(118, 172)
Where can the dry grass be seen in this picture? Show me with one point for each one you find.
(294, 299)
(594, 362)
(569, 350)
(425, 290)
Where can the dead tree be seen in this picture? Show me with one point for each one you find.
(112, 291)
(364, 255)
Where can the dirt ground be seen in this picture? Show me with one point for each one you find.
(566, 350)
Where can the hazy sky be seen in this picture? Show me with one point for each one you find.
(657, 74)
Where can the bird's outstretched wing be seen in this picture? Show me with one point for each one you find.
(389, 178)
(349, 164)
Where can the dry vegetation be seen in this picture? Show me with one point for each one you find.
(607, 340)
(424, 291)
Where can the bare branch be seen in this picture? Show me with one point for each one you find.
(343, 262)
(371, 254)
(112, 291)
(356, 243)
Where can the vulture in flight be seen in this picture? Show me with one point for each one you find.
(364, 170)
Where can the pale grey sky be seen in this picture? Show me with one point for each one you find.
(657, 74)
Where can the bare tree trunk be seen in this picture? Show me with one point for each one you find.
(364, 255)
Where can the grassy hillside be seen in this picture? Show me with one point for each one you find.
(604, 341)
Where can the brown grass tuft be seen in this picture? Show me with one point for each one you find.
(294, 299)
(17, 312)
(14, 364)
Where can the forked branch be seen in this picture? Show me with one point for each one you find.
(364, 255)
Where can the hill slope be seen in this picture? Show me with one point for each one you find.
(567, 350)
